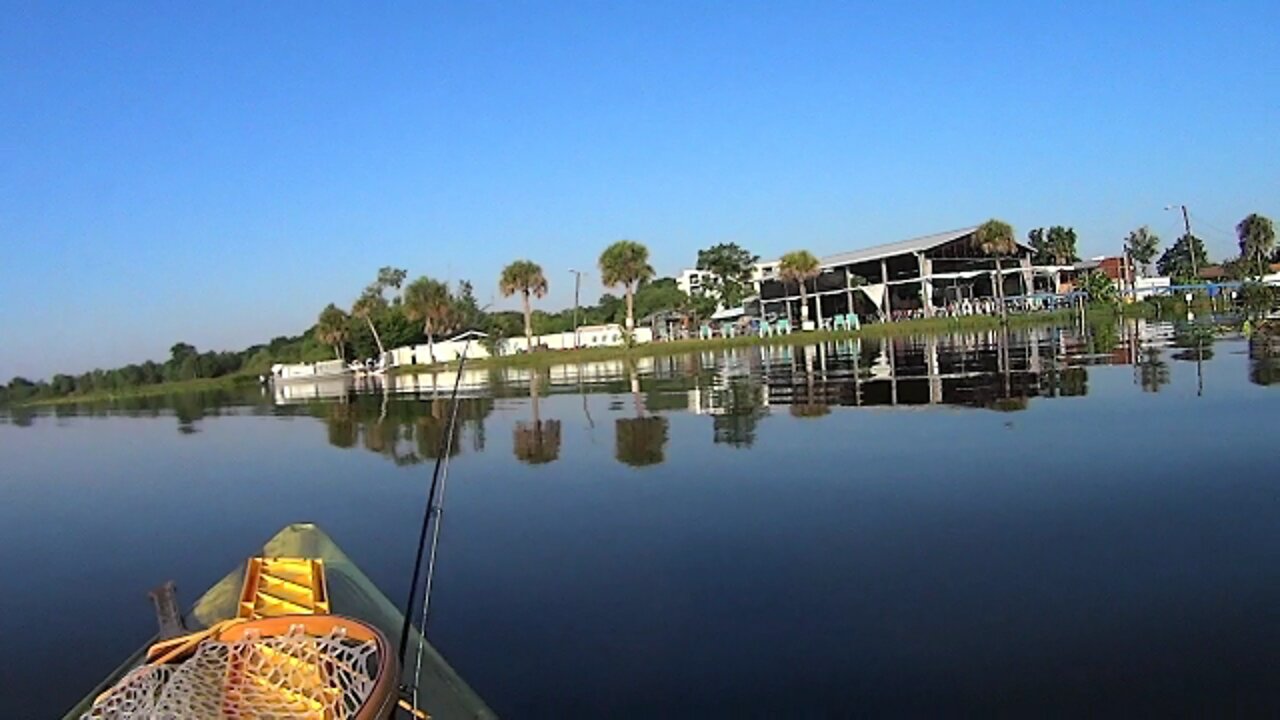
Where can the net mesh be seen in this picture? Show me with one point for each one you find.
(284, 676)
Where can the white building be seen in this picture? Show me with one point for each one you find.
(588, 336)
(472, 342)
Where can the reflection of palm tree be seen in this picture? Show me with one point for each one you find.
(813, 405)
(736, 427)
(640, 440)
(431, 429)
(341, 425)
(537, 442)
(1073, 382)
(1153, 371)
(1264, 367)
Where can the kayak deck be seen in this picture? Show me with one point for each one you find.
(350, 592)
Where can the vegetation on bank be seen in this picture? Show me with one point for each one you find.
(169, 387)
(382, 316)
(921, 326)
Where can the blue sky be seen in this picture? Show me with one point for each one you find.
(216, 173)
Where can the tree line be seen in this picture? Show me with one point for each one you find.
(391, 312)
(1182, 261)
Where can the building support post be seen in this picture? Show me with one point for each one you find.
(1028, 285)
(887, 310)
(926, 283)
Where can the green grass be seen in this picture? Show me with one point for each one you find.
(676, 347)
(164, 388)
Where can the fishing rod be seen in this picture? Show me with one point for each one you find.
(433, 509)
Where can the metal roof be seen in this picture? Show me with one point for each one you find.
(875, 252)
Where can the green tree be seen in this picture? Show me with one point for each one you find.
(429, 303)
(799, 266)
(1177, 263)
(1257, 242)
(730, 267)
(1039, 243)
(1062, 245)
(995, 238)
(1100, 288)
(1142, 245)
(626, 263)
(373, 302)
(657, 295)
(467, 310)
(390, 278)
(524, 277)
(1055, 246)
(369, 304)
(331, 329)
(180, 351)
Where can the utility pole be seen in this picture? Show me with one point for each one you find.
(577, 287)
(1191, 247)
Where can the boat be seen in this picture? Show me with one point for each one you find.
(301, 585)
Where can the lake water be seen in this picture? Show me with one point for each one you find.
(1083, 522)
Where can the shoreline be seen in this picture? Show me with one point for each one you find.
(165, 388)
(675, 347)
(902, 328)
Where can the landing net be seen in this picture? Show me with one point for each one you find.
(283, 676)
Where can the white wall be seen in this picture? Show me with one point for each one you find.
(611, 335)
(447, 351)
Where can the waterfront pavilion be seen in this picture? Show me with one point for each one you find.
(918, 277)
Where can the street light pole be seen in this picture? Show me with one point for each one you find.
(577, 287)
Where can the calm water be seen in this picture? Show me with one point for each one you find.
(953, 525)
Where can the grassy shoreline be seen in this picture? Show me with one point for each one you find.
(165, 388)
(904, 328)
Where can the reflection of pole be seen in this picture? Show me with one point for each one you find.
(1199, 369)
(577, 287)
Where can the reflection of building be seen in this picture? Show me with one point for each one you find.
(975, 369)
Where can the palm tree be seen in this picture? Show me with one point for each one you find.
(626, 263)
(524, 277)
(1257, 240)
(372, 300)
(366, 306)
(1142, 245)
(995, 238)
(429, 302)
(799, 266)
(331, 329)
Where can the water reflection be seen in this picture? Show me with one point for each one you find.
(641, 440)
(405, 418)
(1153, 371)
(538, 441)
(1264, 361)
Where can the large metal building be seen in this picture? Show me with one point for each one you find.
(917, 277)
